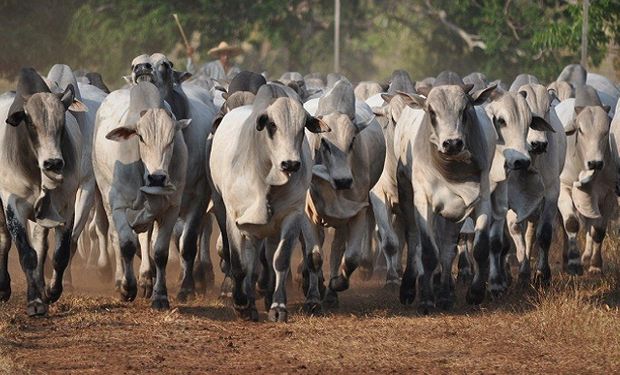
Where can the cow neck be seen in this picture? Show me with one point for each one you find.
(453, 170)
(20, 154)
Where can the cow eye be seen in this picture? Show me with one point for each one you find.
(271, 128)
(352, 143)
(499, 122)
(140, 138)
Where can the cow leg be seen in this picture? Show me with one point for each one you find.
(477, 290)
(408, 282)
(387, 237)
(465, 273)
(189, 241)
(241, 259)
(105, 263)
(84, 201)
(335, 258)
(595, 235)
(203, 271)
(40, 244)
(280, 263)
(366, 255)
(16, 224)
(357, 243)
(523, 255)
(544, 234)
(222, 246)
(496, 234)
(60, 261)
(312, 243)
(571, 229)
(145, 278)
(127, 246)
(5, 247)
(162, 233)
(449, 234)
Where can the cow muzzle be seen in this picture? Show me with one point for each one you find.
(518, 164)
(343, 183)
(595, 165)
(290, 166)
(452, 146)
(143, 73)
(156, 180)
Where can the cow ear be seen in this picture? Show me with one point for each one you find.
(387, 97)
(67, 97)
(78, 106)
(121, 134)
(467, 87)
(225, 95)
(480, 96)
(424, 90)
(413, 100)
(578, 109)
(216, 122)
(379, 111)
(16, 118)
(261, 121)
(571, 128)
(553, 94)
(182, 124)
(316, 125)
(181, 76)
(143, 112)
(539, 123)
(607, 108)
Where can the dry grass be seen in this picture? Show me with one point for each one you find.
(571, 327)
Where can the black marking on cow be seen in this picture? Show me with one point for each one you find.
(598, 235)
(572, 224)
(545, 236)
(27, 255)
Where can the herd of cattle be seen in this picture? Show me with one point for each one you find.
(445, 168)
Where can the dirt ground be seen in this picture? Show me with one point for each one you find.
(572, 327)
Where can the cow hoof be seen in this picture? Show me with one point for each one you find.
(497, 291)
(128, 291)
(475, 295)
(186, 294)
(36, 308)
(160, 303)
(331, 299)
(5, 293)
(446, 302)
(226, 288)
(595, 271)
(313, 308)
(117, 286)
(339, 283)
(574, 269)
(248, 314)
(268, 300)
(407, 294)
(278, 315)
(145, 287)
(524, 279)
(53, 292)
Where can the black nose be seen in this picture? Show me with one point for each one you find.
(343, 183)
(53, 165)
(538, 147)
(142, 67)
(453, 146)
(521, 164)
(595, 164)
(290, 165)
(156, 179)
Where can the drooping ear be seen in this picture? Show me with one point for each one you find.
(424, 90)
(539, 123)
(67, 97)
(216, 122)
(181, 76)
(182, 124)
(480, 96)
(261, 121)
(316, 124)
(553, 94)
(467, 87)
(387, 97)
(121, 134)
(579, 109)
(607, 108)
(523, 93)
(143, 112)
(225, 95)
(380, 111)
(78, 106)
(16, 118)
(571, 128)
(413, 100)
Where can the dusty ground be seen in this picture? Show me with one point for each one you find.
(573, 327)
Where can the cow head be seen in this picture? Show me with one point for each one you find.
(538, 99)
(156, 129)
(142, 69)
(282, 126)
(449, 109)
(591, 129)
(42, 113)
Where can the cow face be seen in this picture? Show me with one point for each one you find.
(591, 129)
(282, 124)
(156, 131)
(43, 115)
(511, 118)
(449, 110)
(142, 70)
(539, 101)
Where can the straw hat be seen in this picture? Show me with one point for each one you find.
(225, 47)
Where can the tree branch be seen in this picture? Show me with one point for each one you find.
(472, 40)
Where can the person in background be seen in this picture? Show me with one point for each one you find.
(221, 69)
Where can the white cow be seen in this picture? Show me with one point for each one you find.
(260, 166)
(140, 162)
